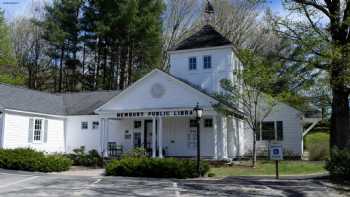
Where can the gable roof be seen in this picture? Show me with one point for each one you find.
(85, 103)
(205, 37)
(24, 99)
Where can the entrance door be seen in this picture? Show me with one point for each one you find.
(148, 135)
(137, 140)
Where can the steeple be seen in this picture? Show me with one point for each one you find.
(208, 12)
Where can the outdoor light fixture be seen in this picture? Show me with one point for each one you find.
(198, 112)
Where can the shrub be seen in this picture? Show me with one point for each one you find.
(211, 174)
(155, 167)
(31, 160)
(91, 159)
(318, 152)
(339, 165)
(135, 152)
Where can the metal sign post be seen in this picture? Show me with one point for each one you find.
(276, 153)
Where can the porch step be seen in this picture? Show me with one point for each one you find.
(306, 156)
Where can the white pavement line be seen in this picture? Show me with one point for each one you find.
(254, 185)
(97, 181)
(20, 181)
(5, 173)
(177, 193)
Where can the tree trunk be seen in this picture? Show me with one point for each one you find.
(340, 131)
(254, 149)
(61, 71)
(130, 64)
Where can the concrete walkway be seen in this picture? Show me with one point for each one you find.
(82, 171)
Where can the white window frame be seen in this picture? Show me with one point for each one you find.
(94, 126)
(190, 65)
(211, 122)
(210, 62)
(259, 138)
(81, 125)
(41, 130)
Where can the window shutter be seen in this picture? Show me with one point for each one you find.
(279, 130)
(46, 122)
(30, 130)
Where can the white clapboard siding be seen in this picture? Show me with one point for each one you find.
(292, 129)
(75, 136)
(1, 130)
(16, 131)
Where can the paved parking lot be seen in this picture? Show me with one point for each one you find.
(14, 183)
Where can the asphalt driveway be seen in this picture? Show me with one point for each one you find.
(14, 183)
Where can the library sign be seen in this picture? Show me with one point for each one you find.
(156, 114)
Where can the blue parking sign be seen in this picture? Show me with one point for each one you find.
(276, 152)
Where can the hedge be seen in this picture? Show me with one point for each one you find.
(155, 167)
(339, 165)
(90, 159)
(31, 160)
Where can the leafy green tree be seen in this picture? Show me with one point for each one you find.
(321, 40)
(252, 92)
(125, 39)
(6, 53)
(61, 27)
(8, 70)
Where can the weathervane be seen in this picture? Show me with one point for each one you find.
(208, 12)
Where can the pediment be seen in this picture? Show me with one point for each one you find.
(157, 90)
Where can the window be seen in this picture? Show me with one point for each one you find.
(268, 131)
(84, 125)
(192, 63)
(95, 124)
(137, 124)
(271, 131)
(207, 62)
(38, 130)
(208, 123)
(193, 123)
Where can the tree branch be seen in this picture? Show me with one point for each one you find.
(315, 5)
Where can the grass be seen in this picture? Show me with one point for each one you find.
(317, 144)
(268, 168)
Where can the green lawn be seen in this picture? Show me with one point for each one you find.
(317, 144)
(268, 168)
(315, 138)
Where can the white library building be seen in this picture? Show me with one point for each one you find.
(155, 112)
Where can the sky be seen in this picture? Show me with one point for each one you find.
(15, 8)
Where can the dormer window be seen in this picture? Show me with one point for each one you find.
(207, 62)
(192, 63)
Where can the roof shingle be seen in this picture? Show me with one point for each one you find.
(23, 99)
(206, 37)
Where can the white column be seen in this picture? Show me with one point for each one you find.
(238, 137)
(230, 138)
(102, 130)
(223, 138)
(154, 137)
(215, 134)
(160, 137)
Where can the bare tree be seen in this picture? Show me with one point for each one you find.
(29, 50)
(248, 24)
(178, 21)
